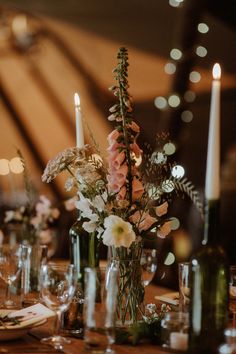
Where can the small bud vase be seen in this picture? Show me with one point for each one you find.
(130, 302)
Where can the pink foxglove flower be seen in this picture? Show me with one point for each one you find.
(162, 209)
(164, 230)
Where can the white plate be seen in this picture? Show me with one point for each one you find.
(16, 331)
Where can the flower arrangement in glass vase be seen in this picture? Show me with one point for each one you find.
(33, 222)
(118, 200)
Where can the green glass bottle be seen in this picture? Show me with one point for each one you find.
(83, 253)
(209, 288)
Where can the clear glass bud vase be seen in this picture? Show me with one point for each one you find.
(130, 302)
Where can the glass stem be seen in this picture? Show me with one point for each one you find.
(8, 291)
(57, 323)
(234, 319)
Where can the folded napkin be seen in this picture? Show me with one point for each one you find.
(169, 298)
(28, 316)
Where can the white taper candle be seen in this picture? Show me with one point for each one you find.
(79, 123)
(212, 186)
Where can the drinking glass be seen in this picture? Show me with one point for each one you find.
(184, 286)
(58, 284)
(232, 293)
(149, 265)
(10, 270)
(100, 308)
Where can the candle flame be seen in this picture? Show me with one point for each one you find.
(216, 71)
(76, 100)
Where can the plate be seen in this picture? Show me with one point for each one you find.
(17, 331)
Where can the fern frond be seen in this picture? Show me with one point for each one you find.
(185, 186)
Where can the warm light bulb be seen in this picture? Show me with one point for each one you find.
(76, 99)
(216, 72)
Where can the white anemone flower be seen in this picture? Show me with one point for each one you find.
(117, 232)
(83, 204)
(90, 226)
(99, 202)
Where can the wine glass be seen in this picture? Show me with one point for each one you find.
(10, 270)
(232, 293)
(58, 284)
(149, 265)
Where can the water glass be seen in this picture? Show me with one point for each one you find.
(10, 271)
(149, 265)
(58, 284)
(230, 346)
(232, 293)
(33, 258)
(184, 286)
(100, 308)
(174, 330)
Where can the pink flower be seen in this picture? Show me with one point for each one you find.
(134, 127)
(161, 209)
(113, 147)
(122, 193)
(117, 160)
(136, 149)
(143, 220)
(164, 230)
(116, 178)
(113, 136)
(137, 189)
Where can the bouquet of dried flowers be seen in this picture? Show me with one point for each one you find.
(119, 199)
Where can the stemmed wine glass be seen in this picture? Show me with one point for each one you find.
(58, 284)
(232, 293)
(149, 265)
(10, 270)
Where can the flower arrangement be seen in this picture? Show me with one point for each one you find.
(36, 218)
(119, 199)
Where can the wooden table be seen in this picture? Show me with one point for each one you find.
(30, 343)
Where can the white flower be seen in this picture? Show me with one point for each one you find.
(70, 203)
(69, 184)
(83, 204)
(9, 215)
(90, 226)
(99, 202)
(117, 232)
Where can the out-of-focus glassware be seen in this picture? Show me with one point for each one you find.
(184, 286)
(149, 265)
(10, 270)
(58, 284)
(230, 346)
(174, 330)
(33, 257)
(100, 308)
(232, 293)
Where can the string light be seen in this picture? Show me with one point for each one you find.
(14, 165)
(178, 171)
(174, 101)
(170, 68)
(202, 28)
(201, 51)
(169, 148)
(189, 96)
(187, 116)
(160, 102)
(176, 54)
(194, 77)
